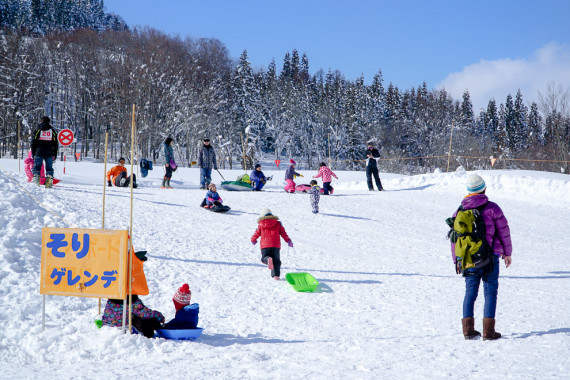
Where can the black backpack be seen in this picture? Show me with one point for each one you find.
(468, 232)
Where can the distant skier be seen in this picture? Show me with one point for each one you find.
(499, 238)
(271, 231)
(326, 173)
(290, 174)
(44, 147)
(315, 196)
(372, 155)
(117, 176)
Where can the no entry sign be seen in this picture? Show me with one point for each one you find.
(65, 137)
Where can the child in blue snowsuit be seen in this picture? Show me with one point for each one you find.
(315, 196)
(257, 178)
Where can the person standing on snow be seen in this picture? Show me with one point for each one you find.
(44, 147)
(206, 161)
(372, 155)
(169, 163)
(498, 236)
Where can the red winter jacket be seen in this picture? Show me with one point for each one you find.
(270, 229)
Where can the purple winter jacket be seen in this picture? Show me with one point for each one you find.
(497, 228)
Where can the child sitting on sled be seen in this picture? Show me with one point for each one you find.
(186, 314)
(212, 197)
(270, 230)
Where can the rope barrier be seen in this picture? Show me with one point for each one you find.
(35, 199)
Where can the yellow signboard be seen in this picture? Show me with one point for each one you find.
(84, 262)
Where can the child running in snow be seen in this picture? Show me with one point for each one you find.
(315, 195)
(326, 174)
(270, 230)
(290, 174)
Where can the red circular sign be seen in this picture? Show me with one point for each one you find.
(65, 137)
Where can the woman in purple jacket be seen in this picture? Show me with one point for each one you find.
(499, 238)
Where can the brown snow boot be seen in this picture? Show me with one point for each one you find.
(489, 332)
(469, 331)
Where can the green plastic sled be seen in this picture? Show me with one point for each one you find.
(302, 282)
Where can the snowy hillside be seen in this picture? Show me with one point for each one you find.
(388, 304)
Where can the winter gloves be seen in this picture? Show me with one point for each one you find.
(109, 183)
(254, 242)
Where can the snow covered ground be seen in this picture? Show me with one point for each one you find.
(388, 304)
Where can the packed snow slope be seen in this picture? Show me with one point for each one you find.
(388, 305)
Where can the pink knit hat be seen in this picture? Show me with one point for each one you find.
(293, 162)
(182, 297)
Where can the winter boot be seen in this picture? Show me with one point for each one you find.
(276, 278)
(36, 180)
(168, 183)
(270, 263)
(489, 332)
(49, 182)
(469, 331)
(163, 186)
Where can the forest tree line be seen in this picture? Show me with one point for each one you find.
(188, 89)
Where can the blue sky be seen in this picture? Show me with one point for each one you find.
(490, 48)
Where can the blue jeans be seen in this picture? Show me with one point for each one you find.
(490, 287)
(39, 161)
(205, 176)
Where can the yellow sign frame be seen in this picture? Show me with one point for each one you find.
(83, 262)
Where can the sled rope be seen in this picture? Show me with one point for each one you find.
(35, 199)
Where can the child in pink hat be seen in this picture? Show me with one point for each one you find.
(290, 174)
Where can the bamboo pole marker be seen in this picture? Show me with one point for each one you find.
(130, 253)
(450, 140)
(104, 192)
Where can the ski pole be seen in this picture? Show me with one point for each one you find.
(220, 174)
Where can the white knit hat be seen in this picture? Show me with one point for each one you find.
(475, 184)
(265, 212)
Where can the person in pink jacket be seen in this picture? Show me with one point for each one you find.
(326, 173)
(498, 235)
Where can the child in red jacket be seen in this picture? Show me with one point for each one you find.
(270, 229)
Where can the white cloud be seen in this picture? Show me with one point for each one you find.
(496, 79)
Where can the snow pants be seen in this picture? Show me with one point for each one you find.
(257, 185)
(290, 187)
(490, 287)
(127, 182)
(315, 202)
(373, 171)
(274, 254)
(327, 188)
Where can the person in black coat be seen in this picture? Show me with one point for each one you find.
(44, 147)
(372, 155)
